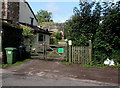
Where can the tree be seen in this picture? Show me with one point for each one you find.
(44, 16)
(83, 24)
(86, 24)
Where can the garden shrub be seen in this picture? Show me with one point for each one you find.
(98, 22)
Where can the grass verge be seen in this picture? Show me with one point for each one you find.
(66, 63)
(15, 64)
(99, 65)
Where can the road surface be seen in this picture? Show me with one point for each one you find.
(12, 79)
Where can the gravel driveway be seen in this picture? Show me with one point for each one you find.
(55, 69)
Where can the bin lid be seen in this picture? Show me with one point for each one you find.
(10, 48)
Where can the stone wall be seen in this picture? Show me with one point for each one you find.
(13, 11)
(18, 12)
(0, 9)
(4, 10)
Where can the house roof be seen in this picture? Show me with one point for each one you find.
(36, 29)
(42, 31)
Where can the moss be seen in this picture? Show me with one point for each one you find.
(10, 25)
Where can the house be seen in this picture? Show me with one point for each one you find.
(20, 13)
(55, 27)
(42, 37)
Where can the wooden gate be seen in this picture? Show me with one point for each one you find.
(55, 54)
(80, 54)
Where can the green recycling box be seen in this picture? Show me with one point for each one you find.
(11, 55)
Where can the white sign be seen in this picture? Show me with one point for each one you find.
(9, 52)
(70, 42)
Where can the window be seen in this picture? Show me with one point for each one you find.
(40, 37)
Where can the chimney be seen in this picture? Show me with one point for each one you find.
(31, 21)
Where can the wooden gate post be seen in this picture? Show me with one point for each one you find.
(70, 50)
(90, 50)
(67, 52)
(44, 50)
(70, 53)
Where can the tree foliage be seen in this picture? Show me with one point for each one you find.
(44, 16)
(27, 32)
(98, 22)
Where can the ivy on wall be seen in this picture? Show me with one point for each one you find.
(14, 35)
(27, 33)
(11, 37)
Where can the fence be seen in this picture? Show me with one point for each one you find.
(80, 54)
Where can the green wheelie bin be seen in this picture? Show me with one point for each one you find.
(11, 55)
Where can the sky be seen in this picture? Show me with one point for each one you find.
(61, 11)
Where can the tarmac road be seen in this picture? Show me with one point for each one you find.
(10, 79)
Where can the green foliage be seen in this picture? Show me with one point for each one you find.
(117, 65)
(44, 16)
(15, 64)
(62, 41)
(66, 63)
(91, 64)
(43, 24)
(55, 42)
(57, 36)
(20, 62)
(27, 32)
(6, 24)
(81, 27)
(86, 25)
(115, 55)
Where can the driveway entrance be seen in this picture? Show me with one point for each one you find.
(52, 53)
(57, 70)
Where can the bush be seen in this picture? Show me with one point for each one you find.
(86, 25)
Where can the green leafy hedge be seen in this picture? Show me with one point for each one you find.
(98, 22)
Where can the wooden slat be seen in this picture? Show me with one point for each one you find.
(86, 59)
(72, 53)
(69, 54)
(76, 59)
(90, 50)
(81, 54)
(78, 55)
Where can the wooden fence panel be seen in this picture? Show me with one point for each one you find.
(80, 54)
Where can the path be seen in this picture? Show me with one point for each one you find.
(15, 80)
(56, 70)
